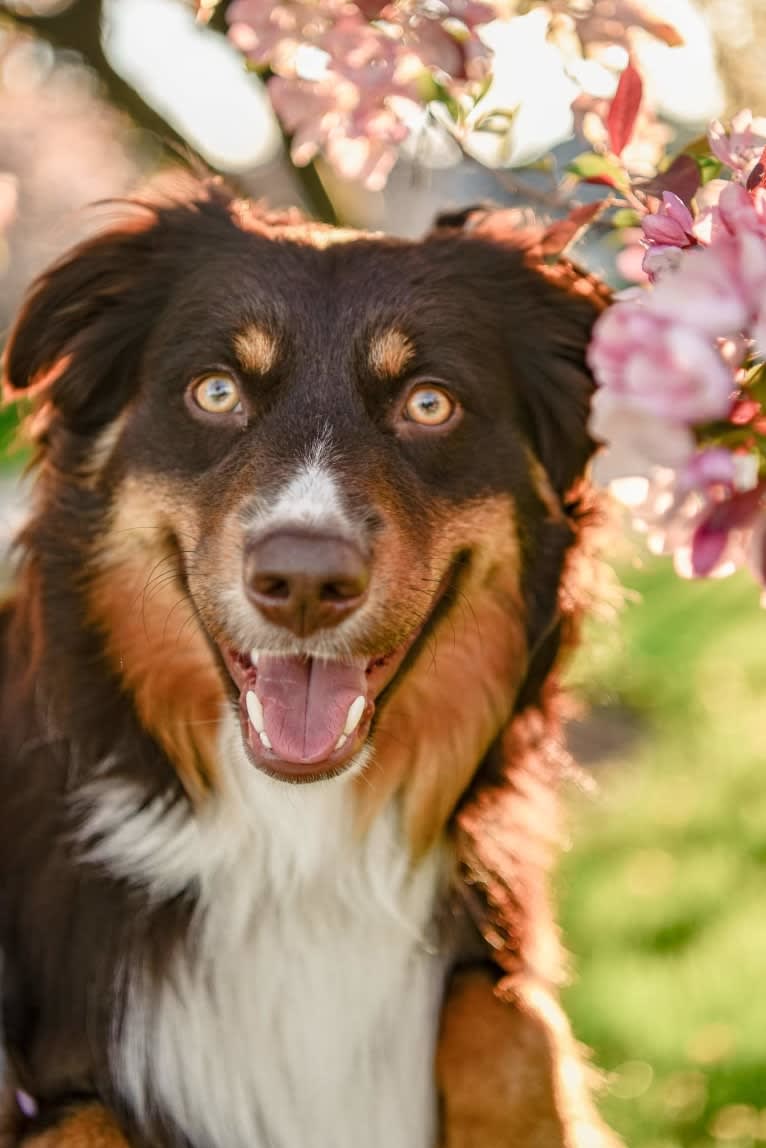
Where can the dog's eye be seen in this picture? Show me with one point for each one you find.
(217, 394)
(429, 406)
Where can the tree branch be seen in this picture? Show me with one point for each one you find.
(78, 29)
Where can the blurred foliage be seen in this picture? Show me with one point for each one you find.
(662, 894)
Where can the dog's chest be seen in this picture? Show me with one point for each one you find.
(303, 1011)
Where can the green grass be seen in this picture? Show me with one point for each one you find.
(663, 894)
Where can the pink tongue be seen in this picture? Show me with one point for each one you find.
(305, 703)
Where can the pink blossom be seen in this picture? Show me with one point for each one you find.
(270, 34)
(759, 333)
(706, 201)
(751, 271)
(368, 62)
(665, 233)
(740, 210)
(659, 259)
(359, 135)
(756, 551)
(672, 223)
(711, 467)
(705, 293)
(740, 147)
(662, 367)
(711, 539)
(350, 112)
(629, 259)
(636, 441)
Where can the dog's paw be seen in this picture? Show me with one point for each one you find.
(509, 1072)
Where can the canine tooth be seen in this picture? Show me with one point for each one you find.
(254, 711)
(355, 711)
(254, 655)
(264, 739)
(341, 741)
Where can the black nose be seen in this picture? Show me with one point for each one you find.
(305, 581)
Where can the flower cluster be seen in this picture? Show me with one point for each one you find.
(680, 365)
(350, 79)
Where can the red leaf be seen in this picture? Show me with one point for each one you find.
(682, 178)
(624, 108)
(757, 177)
(563, 232)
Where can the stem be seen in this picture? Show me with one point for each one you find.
(554, 200)
(315, 195)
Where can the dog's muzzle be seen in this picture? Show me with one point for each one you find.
(305, 580)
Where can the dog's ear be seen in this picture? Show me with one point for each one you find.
(550, 308)
(76, 336)
(549, 360)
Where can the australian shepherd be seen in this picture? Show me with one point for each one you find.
(278, 754)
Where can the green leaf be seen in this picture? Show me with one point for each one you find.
(698, 147)
(626, 217)
(545, 163)
(593, 168)
(755, 382)
(486, 84)
(440, 94)
(710, 167)
(497, 122)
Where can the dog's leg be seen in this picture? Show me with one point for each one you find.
(90, 1126)
(509, 1072)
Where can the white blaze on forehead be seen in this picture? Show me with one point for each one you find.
(312, 497)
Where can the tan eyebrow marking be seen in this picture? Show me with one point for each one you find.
(390, 352)
(256, 349)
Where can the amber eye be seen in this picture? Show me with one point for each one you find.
(429, 406)
(217, 394)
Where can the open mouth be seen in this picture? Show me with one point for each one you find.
(304, 718)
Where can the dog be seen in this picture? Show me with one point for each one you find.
(280, 745)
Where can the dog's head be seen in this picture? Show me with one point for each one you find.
(322, 480)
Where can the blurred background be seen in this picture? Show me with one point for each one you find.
(662, 881)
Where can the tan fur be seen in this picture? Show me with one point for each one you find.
(323, 236)
(389, 353)
(543, 487)
(291, 225)
(155, 643)
(102, 449)
(459, 695)
(257, 349)
(88, 1127)
(508, 1071)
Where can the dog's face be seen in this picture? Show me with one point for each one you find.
(328, 474)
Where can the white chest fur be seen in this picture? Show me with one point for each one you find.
(304, 1012)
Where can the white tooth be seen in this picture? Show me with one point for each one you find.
(355, 711)
(341, 741)
(254, 711)
(254, 655)
(264, 739)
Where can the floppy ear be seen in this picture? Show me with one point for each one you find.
(77, 334)
(550, 319)
(549, 359)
